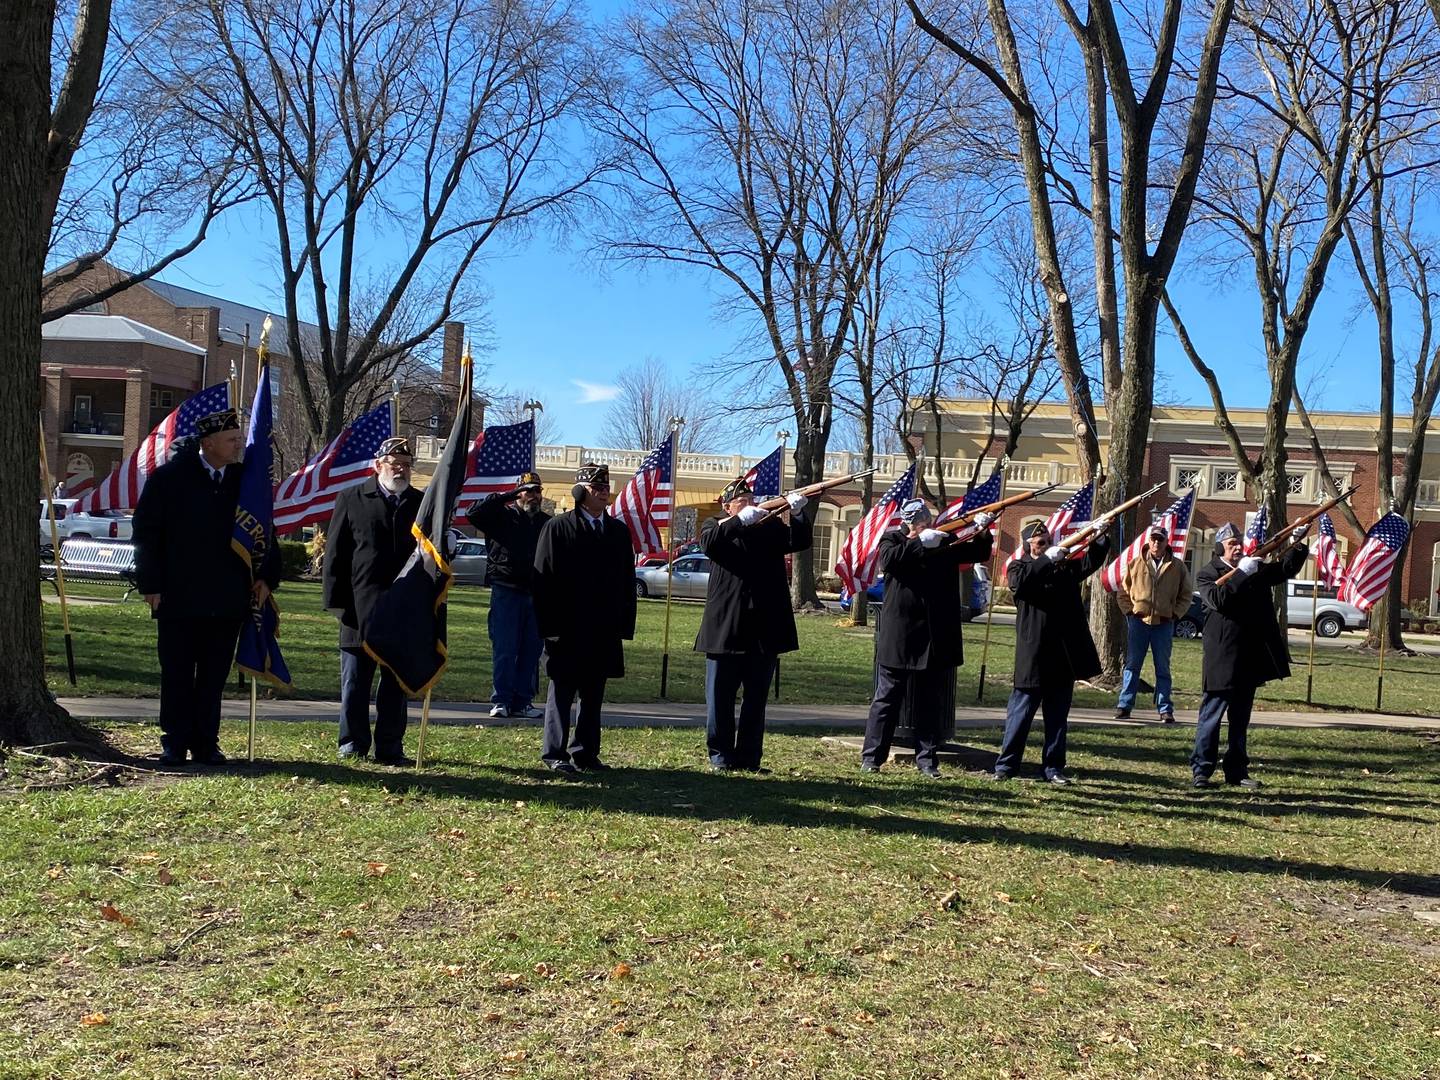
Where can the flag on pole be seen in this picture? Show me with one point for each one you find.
(860, 554)
(307, 496)
(764, 476)
(258, 653)
(1176, 523)
(1063, 520)
(1255, 532)
(496, 459)
(121, 489)
(407, 631)
(644, 503)
(1370, 569)
(980, 495)
(1327, 555)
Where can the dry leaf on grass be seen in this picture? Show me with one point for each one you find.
(512, 981)
(376, 869)
(95, 1019)
(1004, 898)
(949, 901)
(454, 970)
(110, 913)
(348, 934)
(515, 1055)
(492, 1018)
(165, 877)
(621, 971)
(55, 872)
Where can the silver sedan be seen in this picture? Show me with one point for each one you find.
(692, 578)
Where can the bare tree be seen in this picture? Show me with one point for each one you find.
(650, 394)
(1138, 205)
(427, 125)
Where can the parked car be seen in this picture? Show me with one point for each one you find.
(468, 562)
(691, 581)
(69, 522)
(979, 594)
(1332, 615)
(659, 558)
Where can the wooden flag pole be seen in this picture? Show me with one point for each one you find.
(1384, 633)
(424, 727)
(990, 606)
(55, 553)
(675, 424)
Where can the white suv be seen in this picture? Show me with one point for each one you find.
(74, 524)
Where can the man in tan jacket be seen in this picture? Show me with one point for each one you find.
(1155, 592)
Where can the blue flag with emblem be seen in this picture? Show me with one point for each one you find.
(258, 653)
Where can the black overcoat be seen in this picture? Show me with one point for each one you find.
(366, 546)
(1052, 633)
(747, 603)
(183, 525)
(510, 538)
(1243, 643)
(919, 626)
(583, 586)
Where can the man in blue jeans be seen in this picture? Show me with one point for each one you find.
(1154, 592)
(511, 521)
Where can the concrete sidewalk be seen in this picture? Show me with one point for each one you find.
(666, 714)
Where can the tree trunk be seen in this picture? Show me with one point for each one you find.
(809, 468)
(28, 714)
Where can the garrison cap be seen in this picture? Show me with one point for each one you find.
(224, 420)
(592, 473)
(396, 446)
(734, 489)
(1034, 529)
(1226, 531)
(914, 508)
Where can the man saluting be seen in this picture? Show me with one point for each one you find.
(748, 621)
(584, 590)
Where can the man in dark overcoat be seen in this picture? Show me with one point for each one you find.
(917, 644)
(199, 590)
(367, 545)
(1053, 646)
(748, 621)
(1243, 648)
(583, 586)
(511, 522)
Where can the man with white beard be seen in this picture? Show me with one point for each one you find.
(367, 545)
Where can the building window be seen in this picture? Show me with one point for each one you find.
(820, 545)
(1186, 478)
(154, 398)
(167, 399)
(1227, 480)
(1295, 483)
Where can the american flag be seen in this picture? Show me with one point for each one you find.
(1077, 508)
(308, 496)
(121, 489)
(1175, 521)
(980, 495)
(764, 476)
(644, 503)
(1370, 569)
(1254, 532)
(860, 553)
(497, 458)
(1327, 555)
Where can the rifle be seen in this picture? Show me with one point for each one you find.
(780, 503)
(1075, 539)
(955, 524)
(1282, 538)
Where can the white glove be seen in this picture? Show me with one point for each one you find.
(797, 501)
(1248, 565)
(931, 538)
(1055, 553)
(750, 514)
(983, 520)
(1101, 528)
(1298, 533)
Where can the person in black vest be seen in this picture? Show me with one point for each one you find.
(748, 621)
(199, 590)
(1053, 646)
(917, 644)
(1243, 648)
(367, 545)
(584, 591)
(511, 522)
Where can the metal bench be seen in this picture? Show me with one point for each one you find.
(94, 561)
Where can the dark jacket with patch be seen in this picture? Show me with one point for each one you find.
(919, 625)
(583, 586)
(183, 526)
(1052, 631)
(366, 546)
(747, 603)
(510, 538)
(1244, 645)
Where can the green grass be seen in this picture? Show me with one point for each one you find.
(307, 920)
(115, 648)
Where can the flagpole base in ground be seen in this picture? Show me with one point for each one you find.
(664, 673)
(980, 687)
(424, 727)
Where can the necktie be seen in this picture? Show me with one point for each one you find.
(217, 475)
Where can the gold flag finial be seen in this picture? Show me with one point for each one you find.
(262, 354)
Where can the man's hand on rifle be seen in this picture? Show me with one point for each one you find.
(1055, 553)
(750, 514)
(983, 520)
(1101, 528)
(797, 502)
(931, 538)
(1249, 564)
(1298, 533)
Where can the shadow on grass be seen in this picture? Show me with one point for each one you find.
(797, 802)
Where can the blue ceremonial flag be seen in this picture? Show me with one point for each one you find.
(258, 653)
(764, 476)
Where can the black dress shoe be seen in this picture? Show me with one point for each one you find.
(210, 757)
(1247, 782)
(1058, 778)
(170, 759)
(932, 773)
(1200, 782)
(564, 768)
(1122, 714)
(1167, 717)
(591, 765)
(397, 760)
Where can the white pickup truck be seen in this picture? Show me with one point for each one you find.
(71, 523)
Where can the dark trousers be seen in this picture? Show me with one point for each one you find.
(514, 647)
(195, 658)
(357, 674)
(891, 685)
(727, 675)
(584, 747)
(1053, 703)
(1214, 707)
